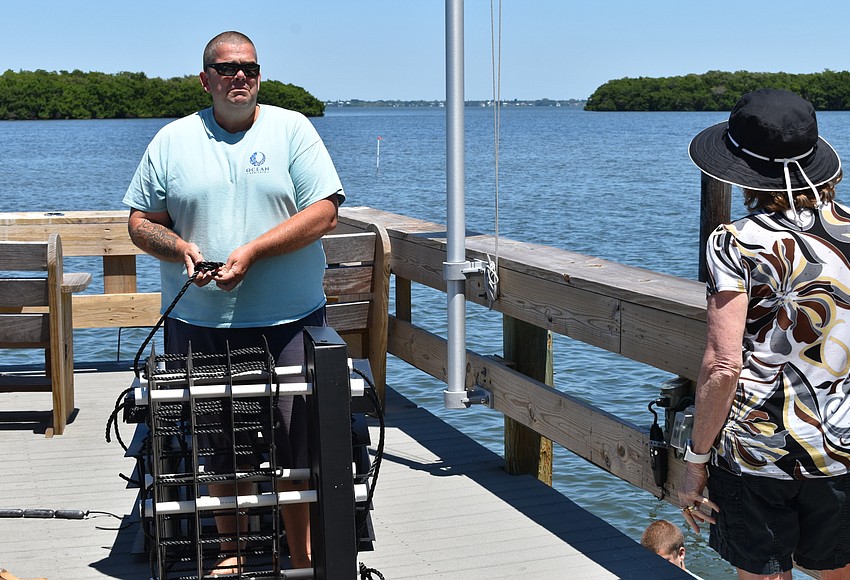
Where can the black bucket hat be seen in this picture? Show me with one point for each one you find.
(767, 131)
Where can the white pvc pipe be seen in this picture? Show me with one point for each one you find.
(207, 503)
(144, 394)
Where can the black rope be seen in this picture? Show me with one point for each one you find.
(112, 421)
(372, 393)
(130, 480)
(199, 267)
(366, 573)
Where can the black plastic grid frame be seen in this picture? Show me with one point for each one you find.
(201, 399)
(189, 435)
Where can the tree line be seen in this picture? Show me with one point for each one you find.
(718, 91)
(355, 103)
(94, 95)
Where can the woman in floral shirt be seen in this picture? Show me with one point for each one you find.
(771, 434)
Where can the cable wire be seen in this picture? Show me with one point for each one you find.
(491, 284)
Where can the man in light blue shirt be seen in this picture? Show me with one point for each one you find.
(251, 186)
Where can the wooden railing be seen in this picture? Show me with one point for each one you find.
(356, 281)
(648, 317)
(93, 233)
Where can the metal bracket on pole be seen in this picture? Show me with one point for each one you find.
(459, 270)
(478, 395)
(458, 397)
(467, 398)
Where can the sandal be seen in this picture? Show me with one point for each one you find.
(226, 567)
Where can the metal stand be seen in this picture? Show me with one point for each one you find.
(190, 404)
(333, 531)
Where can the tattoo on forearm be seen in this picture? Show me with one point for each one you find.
(156, 239)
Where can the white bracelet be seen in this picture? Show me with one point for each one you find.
(692, 457)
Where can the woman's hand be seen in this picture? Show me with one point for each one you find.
(691, 499)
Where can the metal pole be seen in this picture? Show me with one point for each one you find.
(456, 222)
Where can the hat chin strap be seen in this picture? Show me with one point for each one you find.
(785, 161)
(818, 202)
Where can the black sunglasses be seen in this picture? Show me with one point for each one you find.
(229, 69)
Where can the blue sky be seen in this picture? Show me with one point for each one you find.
(395, 49)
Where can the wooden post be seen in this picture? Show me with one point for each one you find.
(715, 209)
(378, 333)
(403, 305)
(529, 348)
(119, 274)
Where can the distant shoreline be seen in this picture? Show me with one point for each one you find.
(355, 103)
(718, 91)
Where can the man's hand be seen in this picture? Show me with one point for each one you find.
(192, 256)
(151, 231)
(231, 274)
(206, 271)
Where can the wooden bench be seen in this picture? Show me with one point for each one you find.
(35, 313)
(356, 283)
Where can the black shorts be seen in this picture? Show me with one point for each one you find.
(767, 524)
(286, 346)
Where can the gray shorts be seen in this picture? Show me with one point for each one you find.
(765, 522)
(230, 447)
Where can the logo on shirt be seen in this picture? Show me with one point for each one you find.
(258, 159)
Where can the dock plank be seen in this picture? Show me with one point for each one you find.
(444, 507)
(78, 470)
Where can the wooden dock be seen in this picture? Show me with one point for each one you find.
(444, 508)
(646, 316)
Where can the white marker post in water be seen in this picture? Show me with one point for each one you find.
(378, 155)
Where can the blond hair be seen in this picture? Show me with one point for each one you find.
(771, 201)
(663, 538)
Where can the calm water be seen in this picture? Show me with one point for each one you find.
(615, 185)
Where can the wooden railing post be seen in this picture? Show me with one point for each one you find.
(529, 348)
(403, 304)
(119, 274)
(715, 209)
